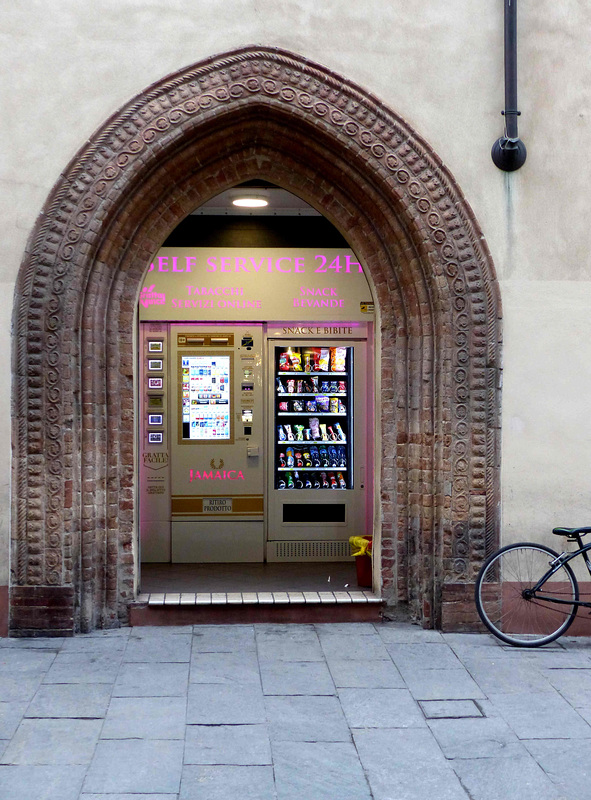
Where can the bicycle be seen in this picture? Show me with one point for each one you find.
(527, 594)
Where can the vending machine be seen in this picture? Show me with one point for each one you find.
(317, 484)
(254, 446)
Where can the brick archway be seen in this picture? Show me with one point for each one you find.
(269, 114)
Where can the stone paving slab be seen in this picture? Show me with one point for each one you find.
(53, 742)
(381, 708)
(84, 667)
(305, 719)
(541, 716)
(168, 649)
(565, 764)
(145, 718)
(365, 674)
(238, 745)
(73, 700)
(135, 766)
(233, 667)
(152, 680)
(225, 782)
(319, 770)
(11, 713)
(504, 778)
(476, 737)
(444, 684)
(225, 704)
(296, 677)
(407, 765)
(284, 712)
(129, 796)
(41, 782)
(19, 688)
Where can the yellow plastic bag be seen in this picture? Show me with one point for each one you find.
(362, 544)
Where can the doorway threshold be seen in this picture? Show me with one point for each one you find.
(173, 594)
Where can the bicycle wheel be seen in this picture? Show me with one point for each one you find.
(511, 610)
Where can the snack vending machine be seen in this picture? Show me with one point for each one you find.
(313, 407)
(317, 491)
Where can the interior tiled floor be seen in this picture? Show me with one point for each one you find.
(277, 577)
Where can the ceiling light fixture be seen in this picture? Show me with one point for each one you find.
(250, 201)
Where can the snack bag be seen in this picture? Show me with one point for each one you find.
(323, 433)
(334, 405)
(338, 359)
(284, 361)
(299, 429)
(283, 406)
(315, 427)
(289, 433)
(323, 403)
(291, 386)
(310, 358)
(296, 359)
(298, 405)
(324, 360)
(311, 406)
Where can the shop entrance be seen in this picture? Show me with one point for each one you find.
(244, 115)
(253, 434)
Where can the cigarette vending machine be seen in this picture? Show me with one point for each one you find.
(317, 479)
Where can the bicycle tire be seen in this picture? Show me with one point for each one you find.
(509, 615)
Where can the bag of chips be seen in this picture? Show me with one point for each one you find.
(296, 359)
(284, 361)
(338, 359)
(324, 360)
(315, 427)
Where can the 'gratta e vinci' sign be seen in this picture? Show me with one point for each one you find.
(250, 283)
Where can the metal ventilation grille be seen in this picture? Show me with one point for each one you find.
(318, 551)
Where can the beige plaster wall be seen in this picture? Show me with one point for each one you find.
(69, 64)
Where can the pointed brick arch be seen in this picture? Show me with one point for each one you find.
(269, 114)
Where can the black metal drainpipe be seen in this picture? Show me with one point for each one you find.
(508, 152)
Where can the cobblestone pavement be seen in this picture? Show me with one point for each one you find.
(293, 712)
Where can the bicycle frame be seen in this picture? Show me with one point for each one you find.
(564, 558)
